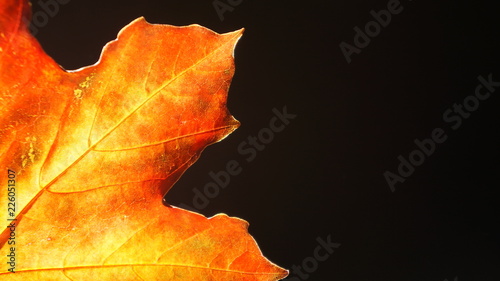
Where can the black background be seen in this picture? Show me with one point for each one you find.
(323, 175)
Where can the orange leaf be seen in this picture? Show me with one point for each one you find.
(89, 154)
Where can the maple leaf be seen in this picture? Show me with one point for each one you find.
(88, 155)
